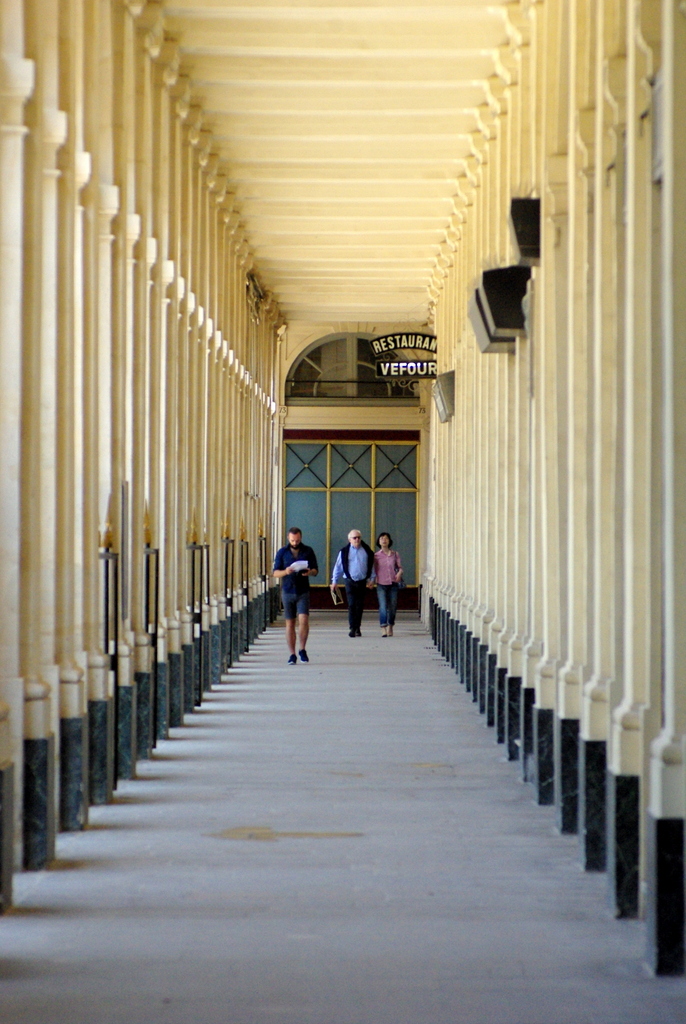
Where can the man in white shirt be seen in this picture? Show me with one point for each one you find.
(355, 564)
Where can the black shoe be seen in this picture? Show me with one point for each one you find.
(352, 633)
(357, 633)
(303, 655)
(292, 660)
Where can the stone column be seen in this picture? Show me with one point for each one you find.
(553, 272)
(604, 329)
(638, 716)
(47, 128)
(100, 677)
(104, 200)
(16, 83)
(6, 809)
(667, 809)
(575, 568)
(69, 526)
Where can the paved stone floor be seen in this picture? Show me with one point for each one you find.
(332, 843)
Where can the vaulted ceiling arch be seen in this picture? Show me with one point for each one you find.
(347, 133)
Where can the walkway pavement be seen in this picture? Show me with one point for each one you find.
(332, 843)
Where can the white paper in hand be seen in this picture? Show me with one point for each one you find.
(299, 565)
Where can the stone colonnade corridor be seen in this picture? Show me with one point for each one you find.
(333, 843)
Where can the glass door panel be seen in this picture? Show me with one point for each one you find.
(307, 511)
(349, 510)
(396, 513)
(351, 465)
(306, 465)
(396, 465)
(335, 486)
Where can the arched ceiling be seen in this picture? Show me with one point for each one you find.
(344, 129)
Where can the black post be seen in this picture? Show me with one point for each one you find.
(245, 589)
(195, 552)
(110, 561)
(152, 608)
(263, 577)
(229, 582)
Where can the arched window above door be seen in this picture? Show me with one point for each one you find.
(339, 370)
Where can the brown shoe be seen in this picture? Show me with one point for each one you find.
(389, 630)
(383, 631)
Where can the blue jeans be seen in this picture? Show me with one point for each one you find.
(388, 602)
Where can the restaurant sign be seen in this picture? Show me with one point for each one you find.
(393, 342)
(421, 362)
(386, 368)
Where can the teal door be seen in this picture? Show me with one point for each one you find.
(332, 488)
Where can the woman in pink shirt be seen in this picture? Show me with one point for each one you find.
(388, 572)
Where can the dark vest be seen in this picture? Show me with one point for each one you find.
(370, 560)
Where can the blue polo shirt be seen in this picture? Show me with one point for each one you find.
(295, 582)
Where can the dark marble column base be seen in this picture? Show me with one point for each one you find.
(491, 663)
(475, 668)
(6, 836)
(592, 805)
(468, 661)
(526, 732)
(206, 642)
(500, 716)
(100, 751)
(513, 686)
(245, 628)
(454, 626)
(432, 619)
(623, 824)
(143, 715)
(197, 671)
(235, 637)
(224, 640)
(215, 655)
(162, 695)
(127, 740)
(665, 895)
(567, 775)
(254, 619)
(544, 761)
(188, 695)
(459, 648)
(39, 803)
(175, 677)
(73, 774)
(483, 677)
(459, 668)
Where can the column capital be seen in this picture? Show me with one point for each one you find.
(17, 77)
(55, 125)
(109, 201)
(181, 91)
(194, 121)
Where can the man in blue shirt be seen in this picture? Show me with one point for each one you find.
(295, 589)
(355, 563)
